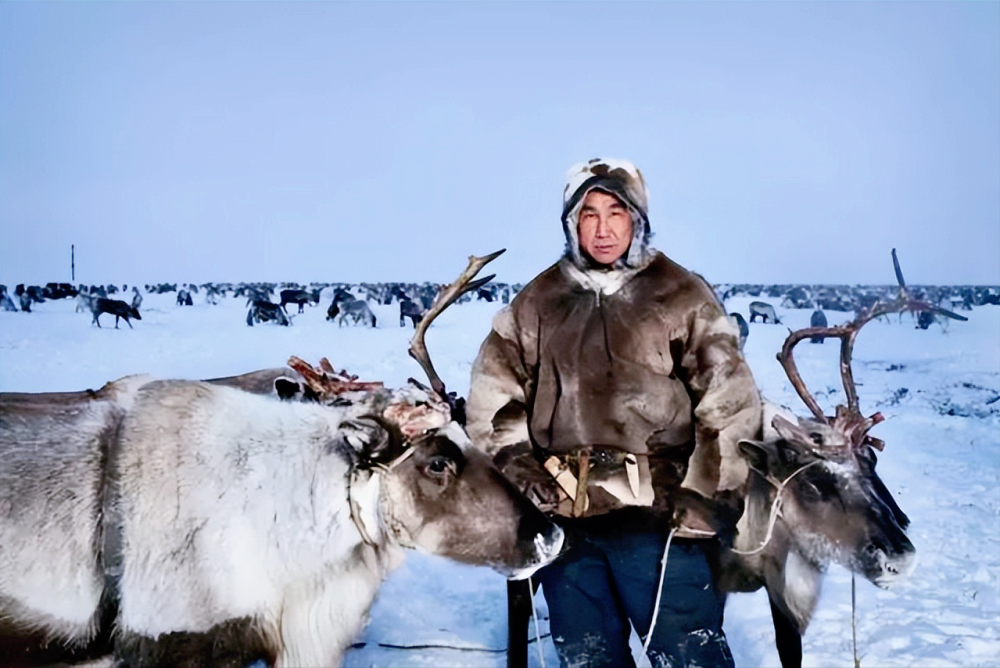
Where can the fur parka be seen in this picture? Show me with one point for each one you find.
(634, 360)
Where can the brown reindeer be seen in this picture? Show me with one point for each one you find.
(814, 497)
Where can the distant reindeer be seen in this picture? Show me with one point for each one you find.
(358, 311)
(300, 297)
(58, 291)
(345, 305)
(27, 296)
(339, 295)
(740, 323)
(5, 301)
(764, 311)
(115, 307)
(212, 294)
(817, 319)
(412, 310)
(264, 311)
(925, 320)
(85, 301)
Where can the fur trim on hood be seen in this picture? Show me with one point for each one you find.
(621, 179)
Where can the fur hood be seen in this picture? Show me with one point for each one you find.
(621, 179)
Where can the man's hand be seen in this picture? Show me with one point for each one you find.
(518, 464)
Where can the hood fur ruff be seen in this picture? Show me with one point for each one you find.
(623, 180)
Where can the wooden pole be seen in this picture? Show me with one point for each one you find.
(72, 263)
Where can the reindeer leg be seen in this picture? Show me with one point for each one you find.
(787, 638)
(518, 615)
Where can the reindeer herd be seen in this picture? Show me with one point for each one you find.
(252, 518)
(350, 304)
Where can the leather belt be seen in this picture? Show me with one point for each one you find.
(599, 464)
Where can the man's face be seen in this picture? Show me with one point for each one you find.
(604, 227)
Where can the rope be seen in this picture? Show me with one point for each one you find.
(854, 624)
(659, 592)
(775, 507)
(354, 505)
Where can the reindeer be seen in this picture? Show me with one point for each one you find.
(764, 311)
(115, 307)
(199, 524)
(136, 298)
(814, 497)
(410, 309)
(817, 319)
(262, 310)
(6, 303)
(300, 297)
(740, 323)
(347, 306)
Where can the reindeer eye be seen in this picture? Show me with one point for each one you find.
(810, 491)
(438, 466)
(816, 437)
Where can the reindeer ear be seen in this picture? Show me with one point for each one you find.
(375, 440)
(286, 387)
(289, 388)
(789, 430)
(758, 453)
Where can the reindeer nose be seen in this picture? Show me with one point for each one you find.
(892, 569)
(548, 545)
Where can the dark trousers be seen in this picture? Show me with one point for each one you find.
(601, 584)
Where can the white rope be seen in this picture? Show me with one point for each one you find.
(659, 592)
(364, 496)
(534, 616)
(775, 507)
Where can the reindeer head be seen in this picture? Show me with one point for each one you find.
(833, 506)
(434, 488)
(821, 470)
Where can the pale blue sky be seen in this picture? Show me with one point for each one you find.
(783, 142)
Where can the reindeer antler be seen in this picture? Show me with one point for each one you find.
(848, 419)
(444, 298)
(327, 383)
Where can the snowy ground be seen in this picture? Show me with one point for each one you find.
(939, 390)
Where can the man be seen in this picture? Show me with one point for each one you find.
(614, 392)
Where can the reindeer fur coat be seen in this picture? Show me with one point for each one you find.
(633, 359)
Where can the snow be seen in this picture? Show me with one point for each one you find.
(938, 390)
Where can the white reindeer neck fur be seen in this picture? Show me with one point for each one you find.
(801, 588)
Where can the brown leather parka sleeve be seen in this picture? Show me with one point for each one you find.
(495, 412)
(727, 408)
